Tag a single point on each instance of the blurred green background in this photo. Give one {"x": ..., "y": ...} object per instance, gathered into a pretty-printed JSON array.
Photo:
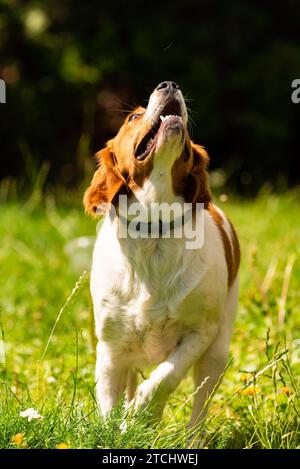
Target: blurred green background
[{"x": 73, "y": 69}]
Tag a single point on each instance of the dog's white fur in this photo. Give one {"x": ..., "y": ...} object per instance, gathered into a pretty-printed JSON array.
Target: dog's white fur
[{"x": 157, "y": 303}]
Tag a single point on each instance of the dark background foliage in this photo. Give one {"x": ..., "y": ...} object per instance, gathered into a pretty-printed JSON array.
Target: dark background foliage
[{"x": 73, "y": 69}]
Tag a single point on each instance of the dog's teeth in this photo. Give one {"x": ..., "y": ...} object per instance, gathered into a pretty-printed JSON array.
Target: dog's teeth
[{"x": 163, "y": 118}]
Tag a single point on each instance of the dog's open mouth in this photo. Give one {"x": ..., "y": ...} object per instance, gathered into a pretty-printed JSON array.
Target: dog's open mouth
[{"x": 171, "y": 114}]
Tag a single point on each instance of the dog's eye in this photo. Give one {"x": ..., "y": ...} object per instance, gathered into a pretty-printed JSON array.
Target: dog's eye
[{"x": 133, "y": 116}]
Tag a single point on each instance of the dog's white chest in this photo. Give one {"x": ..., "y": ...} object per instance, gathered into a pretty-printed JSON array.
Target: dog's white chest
[
  {"x": 138, "y": 306},
  {"x": 146, "y": 299}
]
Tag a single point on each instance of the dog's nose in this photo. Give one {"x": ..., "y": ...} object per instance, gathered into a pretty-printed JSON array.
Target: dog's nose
[{"x": 167, "y": 87}]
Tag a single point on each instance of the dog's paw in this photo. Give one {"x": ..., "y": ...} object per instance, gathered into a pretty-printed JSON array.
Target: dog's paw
[
  {"x": 145, "y": 393},
  {"x": 149, "y": 398},
  {"x": 197, "y": 440}
]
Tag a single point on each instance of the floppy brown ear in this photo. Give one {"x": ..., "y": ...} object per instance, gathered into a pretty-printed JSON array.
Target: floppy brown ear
[
  {"x": 105, "y": 185},
  {"x": 197, "y": 186}
]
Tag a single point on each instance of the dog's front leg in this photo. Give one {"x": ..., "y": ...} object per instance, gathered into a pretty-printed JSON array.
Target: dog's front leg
[
  {"x": 110, "y": 378},
  {"x": 155, "y": 391}
]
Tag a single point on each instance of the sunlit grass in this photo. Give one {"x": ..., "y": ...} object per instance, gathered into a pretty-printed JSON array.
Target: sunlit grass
[{"x": 42, "y": 280}]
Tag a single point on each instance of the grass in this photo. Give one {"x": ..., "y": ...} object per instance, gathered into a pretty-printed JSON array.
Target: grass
[{"x": 42, "y": 264}]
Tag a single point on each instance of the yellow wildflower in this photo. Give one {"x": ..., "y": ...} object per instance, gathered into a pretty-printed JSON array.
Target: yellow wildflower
[
  {"x": 18, "y": 439},
  {"x": 250, "y": 391},
  {"x": 284, "y": 390},
  {"x": 244, "y": 377},
  {"x": 62, "y": 446}
]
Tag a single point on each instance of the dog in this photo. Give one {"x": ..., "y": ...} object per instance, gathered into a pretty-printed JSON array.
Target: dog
[{"x": 156, "y": 301}]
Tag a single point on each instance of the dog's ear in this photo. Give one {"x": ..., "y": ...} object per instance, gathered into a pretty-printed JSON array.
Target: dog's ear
[
  {"x": 105, "y": 185},
  {"x": 197, "y": 188}
]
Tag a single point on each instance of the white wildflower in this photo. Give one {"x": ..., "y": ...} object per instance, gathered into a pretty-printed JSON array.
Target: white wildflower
[
  {"x": 30, "y": 414},
  {"x": 51, "y": 380}
]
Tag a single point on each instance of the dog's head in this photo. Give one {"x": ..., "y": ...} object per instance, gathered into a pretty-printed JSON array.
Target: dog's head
[{"x": 151, "y": 138}]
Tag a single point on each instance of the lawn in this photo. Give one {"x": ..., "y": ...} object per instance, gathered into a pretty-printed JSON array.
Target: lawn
[{"x": 44, "y": 251}]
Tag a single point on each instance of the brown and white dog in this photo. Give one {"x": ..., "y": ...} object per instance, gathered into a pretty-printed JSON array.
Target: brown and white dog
[{"x": 155, "y": 301}]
